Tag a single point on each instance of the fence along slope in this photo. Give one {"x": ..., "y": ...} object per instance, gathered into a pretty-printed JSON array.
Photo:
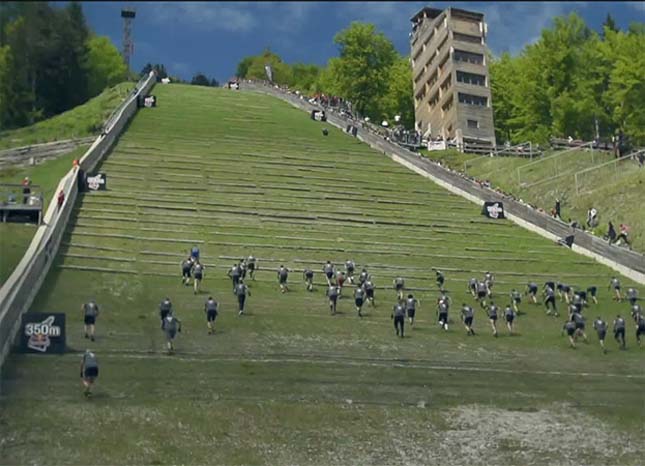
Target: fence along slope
[
  {"x": 629, "y": 263},
  {"x": 20, "y": 289}
]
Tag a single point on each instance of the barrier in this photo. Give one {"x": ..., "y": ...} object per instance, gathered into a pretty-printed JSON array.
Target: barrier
[
  {"x": 628, "y": 263},
  {"x": 20, "y": 289}
]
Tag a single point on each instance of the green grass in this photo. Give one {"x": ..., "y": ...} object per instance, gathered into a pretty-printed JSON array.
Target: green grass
[
  {"x": 15, "y": 237},
  {"x": 616, "y": 191},
  {"x": 82, "y": 121},
  {"x": 288, "y": 383}
]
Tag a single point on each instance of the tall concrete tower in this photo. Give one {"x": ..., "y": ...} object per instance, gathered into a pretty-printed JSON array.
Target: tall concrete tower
[
  {"x": 452, "y": 98},
  {"x": 128, "y": 15}
]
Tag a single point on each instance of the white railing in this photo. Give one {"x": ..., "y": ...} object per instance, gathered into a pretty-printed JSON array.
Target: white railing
[
  {"x": 588, "y": 145},
  {"x": 20, "y": 289}
]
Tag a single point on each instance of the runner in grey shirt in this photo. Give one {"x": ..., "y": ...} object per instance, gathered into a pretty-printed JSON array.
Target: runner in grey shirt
[
  {"x": 492, "y": 317},
  {"x": 632, "y": 296},
  {"x": 411, "y": 308},
  {"x": 619, "y": 331},
  {"x": 614, "y": 284},
  {"x": 399, "y": 286},
  {"x": 332, "y": 294},
  {"x": 359, "y": 297},
  {"x": 171, "y": 326},
  {"x": 235, "y": 273},
  {"x": 283, "y": 275},
  {"x": 90, "y": 313},
  {"x": 467, "y": 315},
  {"x": 398, "y": 314},
  {"x": 509, "y": 316},
  {"x": 211, "y": 308},
  {"x": 165, "y": 308},
  {"x": 369, "y": 288},
  {"x": 89, "y": 371},
  {"x": 328, "y": 270},
  {"x": 198, "y": 275},
  {"x": 308, "y": 276},
  {"x": 600, "y": 326},
  {"x": 241, "y": 291}
]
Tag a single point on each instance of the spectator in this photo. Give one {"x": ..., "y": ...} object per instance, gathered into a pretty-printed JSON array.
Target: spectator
[
  {"x": 624, "y": 231},
  {"x": 611, "y": 233},
  {"x": 557, "y": 208},
  {"x": 26, "y": 189},
  {"x": 592, "y": 218},
  {"x": 60, "y": 199}
]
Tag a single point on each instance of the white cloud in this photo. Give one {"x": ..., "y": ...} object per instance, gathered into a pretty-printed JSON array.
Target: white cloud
[{"x": 231, "y": 17}]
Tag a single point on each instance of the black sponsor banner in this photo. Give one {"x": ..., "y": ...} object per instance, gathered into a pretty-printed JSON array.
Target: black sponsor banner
[
  {"x": 42, "y": 332},
  {"x": 97, "y": 182},
  {"x": 493, "y": 210}
]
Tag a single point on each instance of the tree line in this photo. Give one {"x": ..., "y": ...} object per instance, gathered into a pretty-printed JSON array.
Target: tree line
[
  {"x": 368, "y": 72},
  {"x": 572, "y": 81},
  {"x": 50, "y": 61}
]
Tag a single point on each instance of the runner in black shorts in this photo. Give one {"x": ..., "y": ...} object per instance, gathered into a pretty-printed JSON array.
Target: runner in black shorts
[
  {"x": 186, "y": 269},
  {"x": 363, "y": 277},
  {"x": 531, "y": 291},
  {"x": 89, "y": 371},
  {"x": 579, "y": 320},
  {"x": 369, "y": 287},
  {"x": 328, "y": 270},
  {"x": 592, "y": 290},
  {"x": 211, "y": 310},
  {"x": 492, "y": 317},
  {"x": 600, "y": 326},
  {"x": 349, "y": 269},
  {"x": 442, "y": 313},
  {"x": 399, "y": 286},
  {"x": 440, "y": 279},
  {"x": 632, "y": 295},
  {"x": 549, "y": 298},
  {"x": 332, "y": 294},
  {"x": 516, "y": 300},
  {"x": 619, "y": 331},
  {"x": 468, "y": 315},
  {"x": 308, "y": 276},
  {"x": 359, "y": 297},
  {"x": 615, "y": 285},
  {"x": 241, "y": 291},
  {"x": 640, "y": 328},
  {"x": 570, "y": 327},
  {"x": 472, "y": 287},
  {"x": 411, "y": 308},
  {"x": 509, "y": 316},
  {"x": 165, "y": 308},
  {"x": 283, "y": 275},
  {"x": 398, "y": 314},
  {"x": 482, "y": 293},
  {"x": 251, "y": 266}
]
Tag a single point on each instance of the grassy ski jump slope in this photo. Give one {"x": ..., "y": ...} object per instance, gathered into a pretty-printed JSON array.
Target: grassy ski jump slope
[{"x": 237, "y": 174}]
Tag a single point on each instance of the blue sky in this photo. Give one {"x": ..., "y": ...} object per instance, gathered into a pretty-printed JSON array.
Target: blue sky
[{"x": 212, "y": 37}]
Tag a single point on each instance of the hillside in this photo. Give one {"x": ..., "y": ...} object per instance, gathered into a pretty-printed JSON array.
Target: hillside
[
  {"x": 84, "y": 120},
  {"x": 614, "y": 190},
  {"x": 81, "y": 121},
  {"x": 239, "y": 174}
]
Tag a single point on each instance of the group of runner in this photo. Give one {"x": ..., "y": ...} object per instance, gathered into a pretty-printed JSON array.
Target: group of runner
[{"x": 405, "y": 305}]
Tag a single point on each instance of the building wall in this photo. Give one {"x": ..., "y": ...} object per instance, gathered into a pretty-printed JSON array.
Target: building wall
[{"x": 436, "y": 44}]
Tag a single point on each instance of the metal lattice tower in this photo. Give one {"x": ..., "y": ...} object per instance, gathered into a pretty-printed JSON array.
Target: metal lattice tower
[{"x": 128, "y": 15}]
